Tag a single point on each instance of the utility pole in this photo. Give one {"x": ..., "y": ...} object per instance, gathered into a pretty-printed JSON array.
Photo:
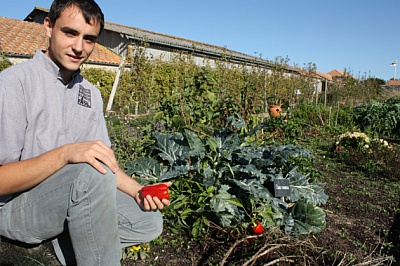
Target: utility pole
[{"x": 394, "y": 64}]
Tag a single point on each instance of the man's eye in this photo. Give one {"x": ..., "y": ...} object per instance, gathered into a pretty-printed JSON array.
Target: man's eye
[{"x": 90, "y": 40}]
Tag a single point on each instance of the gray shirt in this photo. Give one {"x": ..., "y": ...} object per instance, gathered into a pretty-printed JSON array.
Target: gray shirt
[{"x": 38, "y": 112}]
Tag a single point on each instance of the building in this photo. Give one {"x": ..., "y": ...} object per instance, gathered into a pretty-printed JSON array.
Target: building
[
  {"x": 157, "y": 46},
  {"x": 20, "y": 39},
  {"x": 392, "y": 84}
]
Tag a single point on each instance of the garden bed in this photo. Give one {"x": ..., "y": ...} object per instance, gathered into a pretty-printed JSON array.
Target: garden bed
[{"x": 363, "y": 221}]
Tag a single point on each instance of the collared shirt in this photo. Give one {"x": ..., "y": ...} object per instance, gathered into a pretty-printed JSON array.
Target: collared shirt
[{"x": 38, "y": 112}]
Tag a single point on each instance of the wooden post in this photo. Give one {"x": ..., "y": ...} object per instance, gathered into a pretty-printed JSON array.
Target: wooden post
[{"x": 115, "y": 85}]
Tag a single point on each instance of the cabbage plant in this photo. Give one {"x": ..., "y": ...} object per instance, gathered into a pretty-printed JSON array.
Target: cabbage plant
[{"x": 222, "y": 179}]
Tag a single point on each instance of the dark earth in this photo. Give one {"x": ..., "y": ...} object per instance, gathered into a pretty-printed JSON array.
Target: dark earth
[{"x": 363, "y": 222}]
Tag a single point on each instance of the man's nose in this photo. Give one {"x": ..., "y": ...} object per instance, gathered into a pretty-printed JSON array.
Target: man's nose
[{"x": 78, "y": 45}]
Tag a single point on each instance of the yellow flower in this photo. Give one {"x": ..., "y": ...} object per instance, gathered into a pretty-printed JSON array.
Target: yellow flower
[{"x": 134, "y": 248}]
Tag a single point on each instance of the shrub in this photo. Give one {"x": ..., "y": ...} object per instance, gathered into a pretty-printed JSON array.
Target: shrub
[
  {"x": 380, "y": 118},
  {"x": 331, "y": 117},
  {"x": 372, "y": 156},
  {"x": 276, "y": 131},
  {"x": 353, "y": 141},
  {"x": 130, "y": 135}
]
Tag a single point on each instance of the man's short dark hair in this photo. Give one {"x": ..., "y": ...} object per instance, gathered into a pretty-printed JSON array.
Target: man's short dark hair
[{"x": 89, "y": 8}]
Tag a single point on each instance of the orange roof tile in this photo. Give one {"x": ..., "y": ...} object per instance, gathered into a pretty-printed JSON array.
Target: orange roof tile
[
  {"x": 393, "y": 82},
  {"x": 324, "y": 75},
  {"x": 24, "y": 38},
  {"x": 336, "y": 73}
]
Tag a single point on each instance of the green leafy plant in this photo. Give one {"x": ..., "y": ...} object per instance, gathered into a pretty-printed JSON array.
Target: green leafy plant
[
  {"x": 130, "y": 135},
  {"x": 380, "y": 118},
  {"x": 223, "y": 180},
  {"x": 199, "y": 103},
  {"x": 276, "y": 131}
]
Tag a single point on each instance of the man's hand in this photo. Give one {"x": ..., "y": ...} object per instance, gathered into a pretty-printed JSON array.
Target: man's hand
[{"x": 92, "y": 152}]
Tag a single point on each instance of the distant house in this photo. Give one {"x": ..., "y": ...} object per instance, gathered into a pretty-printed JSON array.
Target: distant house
[
  {"x": 392, "y": 84},
  {"x": 338, "y": 74}
]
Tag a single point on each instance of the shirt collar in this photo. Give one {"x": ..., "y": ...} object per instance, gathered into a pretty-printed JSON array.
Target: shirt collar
[{"x": 51, "y": 67}]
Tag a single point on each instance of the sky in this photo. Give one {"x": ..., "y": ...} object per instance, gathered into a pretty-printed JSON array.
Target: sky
[{"x": 359, "y": 36}]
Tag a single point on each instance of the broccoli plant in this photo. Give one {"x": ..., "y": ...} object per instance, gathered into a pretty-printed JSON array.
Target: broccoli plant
[{"x": 224, "y": 180}]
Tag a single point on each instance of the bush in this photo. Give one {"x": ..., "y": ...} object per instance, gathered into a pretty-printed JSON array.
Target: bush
[
  {"x": 380, "y": 118},
  {"x": 331, "y": 117},
  {"x": 131, "y": 135},
  {"x": 371, "y": 156}
]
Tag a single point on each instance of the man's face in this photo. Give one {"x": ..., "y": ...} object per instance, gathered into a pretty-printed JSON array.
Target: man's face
[{"x": 72, "y": 40}]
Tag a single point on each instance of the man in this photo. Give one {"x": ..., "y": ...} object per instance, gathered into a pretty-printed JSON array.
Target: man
[{"x": 59, "y": 178}]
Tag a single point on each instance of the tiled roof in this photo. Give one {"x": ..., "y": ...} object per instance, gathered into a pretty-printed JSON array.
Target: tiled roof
[
  {"x": 324, "y": 75},
  {"x": 21, "y": 38},
  {"x": 393, "y": 82},
  {"x": 336, "y": 73}
]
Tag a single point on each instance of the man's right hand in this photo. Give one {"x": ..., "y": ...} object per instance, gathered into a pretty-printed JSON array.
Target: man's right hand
[{"x": 92, "y": 152}]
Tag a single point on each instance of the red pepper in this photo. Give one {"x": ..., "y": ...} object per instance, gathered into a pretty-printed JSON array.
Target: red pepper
[
  {"x": 258, "y": 228},
  {"x": 160, "y": 191}
]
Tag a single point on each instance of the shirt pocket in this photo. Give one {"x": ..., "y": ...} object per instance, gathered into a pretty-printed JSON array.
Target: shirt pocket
[{"x": 84, "y": 123}]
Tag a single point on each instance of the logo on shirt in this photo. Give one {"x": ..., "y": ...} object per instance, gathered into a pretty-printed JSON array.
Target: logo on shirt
[{"x": 84, "y": 97}]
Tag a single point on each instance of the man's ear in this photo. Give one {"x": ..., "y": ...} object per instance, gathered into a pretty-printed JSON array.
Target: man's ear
[{"x": 48, "y": 27}]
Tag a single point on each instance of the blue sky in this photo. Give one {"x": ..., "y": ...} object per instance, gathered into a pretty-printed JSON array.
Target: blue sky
[{"x": 361, "y": 36}]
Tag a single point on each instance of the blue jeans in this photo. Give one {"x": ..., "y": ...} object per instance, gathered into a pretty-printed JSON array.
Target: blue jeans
[{"x": 87, "y": 218}]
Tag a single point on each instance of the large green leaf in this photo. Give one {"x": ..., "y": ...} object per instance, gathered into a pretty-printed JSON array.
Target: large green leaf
[
  {"x": 302, "y": 188},
  {"x": 208, "y": 176},
  {"x": 308, "y": 217},
  {"x": 237, "y": 122},
  {"x": 196, "y": 145},
  {"x": 254, "y": 188},
  {"x": 171, "y": 146},
  {"x": 248, "y": 171},
  {"x": 174, "y": 172},
  {"x": 147, "y": 168},
  {"x": 225, "y": 206}
]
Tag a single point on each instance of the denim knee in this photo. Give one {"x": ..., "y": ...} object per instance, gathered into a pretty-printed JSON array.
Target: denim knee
[
  {"x": 136, "y": 225},
  {"x": 91, "y": 179},
  {"x": 154, "y": 226},
  {"x": 145, "y": 230}
]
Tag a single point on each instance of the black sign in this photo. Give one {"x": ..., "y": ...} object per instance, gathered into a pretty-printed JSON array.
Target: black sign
[{"x": 282, "y": 187}]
